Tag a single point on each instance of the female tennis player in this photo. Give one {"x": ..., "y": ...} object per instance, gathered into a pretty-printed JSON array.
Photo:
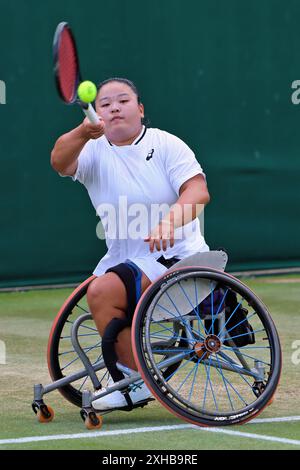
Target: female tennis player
[{"x": 129, "y": 171}]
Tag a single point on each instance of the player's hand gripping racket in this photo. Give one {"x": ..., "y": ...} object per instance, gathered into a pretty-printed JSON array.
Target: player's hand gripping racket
[{"x": 67, "y": 71}]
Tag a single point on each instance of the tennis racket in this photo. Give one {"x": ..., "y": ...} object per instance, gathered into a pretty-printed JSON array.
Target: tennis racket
[{"x": 67, "y": 70}]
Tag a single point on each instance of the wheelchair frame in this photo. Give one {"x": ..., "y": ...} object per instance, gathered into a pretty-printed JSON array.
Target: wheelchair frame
[{"x": 214, "y": 263}]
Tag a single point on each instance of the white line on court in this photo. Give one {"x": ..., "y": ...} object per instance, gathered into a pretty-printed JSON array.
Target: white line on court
[
  {"x": 275, "y": 420},
  {"x": 94, "y": 434},
  {"x": 117, "y": 432}
]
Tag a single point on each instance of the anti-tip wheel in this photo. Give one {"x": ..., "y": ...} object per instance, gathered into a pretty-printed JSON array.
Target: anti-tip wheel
[{"x": 45, "y": 414}]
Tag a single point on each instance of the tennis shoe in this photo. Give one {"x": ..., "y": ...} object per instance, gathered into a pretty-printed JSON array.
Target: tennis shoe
[{"x": 116, "y": 399}]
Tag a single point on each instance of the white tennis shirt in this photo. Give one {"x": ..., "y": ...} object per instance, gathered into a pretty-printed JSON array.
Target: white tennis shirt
[{"x": 128, "y": 186}]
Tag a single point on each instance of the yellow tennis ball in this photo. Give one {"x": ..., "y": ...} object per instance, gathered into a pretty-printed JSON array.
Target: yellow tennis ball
[{"x": 87, "y": 91}]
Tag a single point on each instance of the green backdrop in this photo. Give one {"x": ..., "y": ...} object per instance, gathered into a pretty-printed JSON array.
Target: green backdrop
[{"x": 217, "y": 74}]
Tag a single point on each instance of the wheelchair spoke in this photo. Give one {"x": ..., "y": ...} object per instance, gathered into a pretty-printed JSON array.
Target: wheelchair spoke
[
  {"x": 244, "y": 334},
  {"x": 225, "y": 384},
  {"x": 233, "y": 367},
  {"x": 247, "y": 355},
  {"x": 79, "y": 335},
  {"x": 208, "y": 381},
  {"x": 186, "y": 362},
  {"x": 242, "y": 321},
  {"x": 89, "y": 328},
  {"x": 185, "y": 323},
  {"x": 238, "y": 370},
  {"x": 229, "y": 359},
  {"x": 90, "y": 348},
  {"x": 218, "y": 310},
  {"x": 212, "y": 310},
  {"x": 174, "y": 350},
  {"x": 165, "y": 328},
  {"x": 197, "y": 311},
  {"x": 247, "y": 347},
  {"x": 231, "y": 315},
  {"x": 213, "y": 394},
  {"x": 230, "y": 384},
  {"x": 72, "y": 351},
  {"x": 186, "y": 378},
  {"x": 87, "y": 349},
  {"x": 84, "y": 326},
  {"x": 217, "y": 313},
  {"x": 193, "y": 308},
  {"x": 83, "y": 383},
  {"x": 83, "y": 309},
  {"x": 165, "y": 337},
  {"x": 70, "y": 363},
  {"x": 196, "y": 369},
  {"x": 87, "y": 377}
]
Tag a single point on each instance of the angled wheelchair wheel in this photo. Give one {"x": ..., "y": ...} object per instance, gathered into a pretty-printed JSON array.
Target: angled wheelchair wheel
[
  {"x": 225, "y": 365},
  {"x": 63, "y": 360}
]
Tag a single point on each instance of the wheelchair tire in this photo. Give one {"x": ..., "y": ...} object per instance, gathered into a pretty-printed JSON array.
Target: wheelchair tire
[{"x": 212, "y": 382}]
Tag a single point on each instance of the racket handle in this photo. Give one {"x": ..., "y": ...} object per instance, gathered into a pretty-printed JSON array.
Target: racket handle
[{"x": 90, "y": 113}]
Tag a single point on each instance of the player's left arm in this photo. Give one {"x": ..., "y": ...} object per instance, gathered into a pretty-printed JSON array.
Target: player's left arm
[{"x": 193, "y": 196}]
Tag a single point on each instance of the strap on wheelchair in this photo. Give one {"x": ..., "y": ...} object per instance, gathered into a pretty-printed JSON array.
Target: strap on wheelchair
[
  {"x": 131, "y": 276},
  {"x": 109, "y": 353}
]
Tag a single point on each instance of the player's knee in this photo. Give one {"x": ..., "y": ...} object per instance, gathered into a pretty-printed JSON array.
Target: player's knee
[
  {"x": 96, "y": 293},
  {"x": 105, "y": 292}
]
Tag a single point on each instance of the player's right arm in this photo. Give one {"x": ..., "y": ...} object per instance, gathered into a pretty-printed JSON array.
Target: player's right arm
[{"x": 64, "y": 156}]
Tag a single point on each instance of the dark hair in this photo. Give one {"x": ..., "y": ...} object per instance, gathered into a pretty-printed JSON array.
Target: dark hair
[{"x": 121, "y": 80}]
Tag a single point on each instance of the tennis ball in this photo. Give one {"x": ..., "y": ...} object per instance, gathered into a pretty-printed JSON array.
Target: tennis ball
[{"x": 87, "y": 91}]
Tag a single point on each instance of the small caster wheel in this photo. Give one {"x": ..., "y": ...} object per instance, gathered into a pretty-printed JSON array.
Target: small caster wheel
[
  {"x": 91, "y": 424},
  {"x": 45, "y": 414},
  {"x": 91, "y": 419}
]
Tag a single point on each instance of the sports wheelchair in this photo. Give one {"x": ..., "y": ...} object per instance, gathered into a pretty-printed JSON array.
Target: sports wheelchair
[{"x": 204, "y": 344}]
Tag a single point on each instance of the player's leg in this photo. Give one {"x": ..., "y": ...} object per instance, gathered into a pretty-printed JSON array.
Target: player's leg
[{"x": 107, "y": 299}]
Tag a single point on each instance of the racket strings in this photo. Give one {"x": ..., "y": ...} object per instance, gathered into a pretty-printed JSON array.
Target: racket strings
[{"x": 68, "y": 67}]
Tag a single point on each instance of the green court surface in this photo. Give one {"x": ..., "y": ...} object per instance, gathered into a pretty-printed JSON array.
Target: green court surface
[{"x": 25, "y": 322}]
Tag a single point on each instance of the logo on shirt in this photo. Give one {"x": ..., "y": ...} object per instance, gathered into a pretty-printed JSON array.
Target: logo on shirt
[{"x": 150, "y": 155}]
